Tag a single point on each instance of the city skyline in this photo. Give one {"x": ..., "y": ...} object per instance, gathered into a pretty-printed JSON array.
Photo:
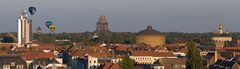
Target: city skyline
[{"x": 125, "y": 16}]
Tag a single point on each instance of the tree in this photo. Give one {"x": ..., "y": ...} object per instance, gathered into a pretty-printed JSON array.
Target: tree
[
  {"x": 127, "y": 63},
  {"x": 194, "y": 60}
]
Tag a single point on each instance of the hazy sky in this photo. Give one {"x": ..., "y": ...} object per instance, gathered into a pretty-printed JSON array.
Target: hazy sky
[{"x": 125, "y": 15}]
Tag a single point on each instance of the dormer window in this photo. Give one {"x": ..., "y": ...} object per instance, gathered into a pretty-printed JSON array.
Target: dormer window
[
  {"x": 19, "y": 66},
  {"x": 6, "y": 66}
]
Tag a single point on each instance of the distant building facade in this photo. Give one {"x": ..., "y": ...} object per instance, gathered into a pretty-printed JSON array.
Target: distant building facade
[
  {"x": 151, "y": 37},
  {"x": 174, "y": 63},
  {"x": 45, "y": 63},
  {"x": 24, "y": 29},
  {"x": 12, "y": 62},
  {"x": 147, "y": 57},
  {"x": 102, "y": 24}
]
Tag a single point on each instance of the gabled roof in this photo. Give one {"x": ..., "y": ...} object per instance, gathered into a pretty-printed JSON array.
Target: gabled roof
[
  {"x": 122, "y": 48},
  {"x": 154, "y": 54},
  {"x": 22, "y": 49},
  {"x": 141, "y": 53},
  {"x": 44, "y": 61},
  {"x": 92, "y": 51},
  {"x": 39, "y": 54},
  {"x": 58, "y": 66},
  {"x": 111, "y": 66},
  {"x": 168, "y": 62},
  {"x": 163, "y": 54},
  {"x": 7, "y": 59}
]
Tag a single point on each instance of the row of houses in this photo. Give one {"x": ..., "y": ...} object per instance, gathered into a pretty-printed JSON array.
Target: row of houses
[{"x": 94, "y": 57}]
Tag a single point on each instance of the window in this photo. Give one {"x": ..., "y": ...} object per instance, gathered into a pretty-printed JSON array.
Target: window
[
  {"x": 12, "y": 63},
  {"x": 94, "y": 66},
  {"x": 183, "y": 66},
  {"x": 6, "y": 66},
  {"x": 95, "y": 61},
  {"x": 19, "y": 66}
]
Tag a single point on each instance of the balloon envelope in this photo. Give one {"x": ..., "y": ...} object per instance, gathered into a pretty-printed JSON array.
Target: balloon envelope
[
  {"x": 49, "y": 23},
  {"x": 32, "y": 10},
  {"x": 52, "y": 28}
]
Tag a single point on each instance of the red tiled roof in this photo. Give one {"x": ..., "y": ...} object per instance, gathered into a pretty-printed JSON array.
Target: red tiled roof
[
  {"x": 183, "y": 50},
  {"x": 163, "y": 54},
  {"x": 154, "y": 54},
  {"x": 160, "y": 48},
  {"x": 122, "y": 48},
  {"x": 169, "y": 62},
  {"x": 21, "y": 49},
  {"x": 7, "y": 45},
  {"x": 93, "y": 51},
  {"x": 111, "y": 66},
  {"x": 2, "y": 52},
  {"x": 142, "y": 53},
  {"x": 32, "y": 55}
]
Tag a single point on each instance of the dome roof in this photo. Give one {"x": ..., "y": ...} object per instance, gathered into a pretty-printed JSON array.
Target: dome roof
[{"x": 149, "y": 31}]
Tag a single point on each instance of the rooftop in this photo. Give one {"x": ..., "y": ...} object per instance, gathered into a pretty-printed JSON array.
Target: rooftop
[{"x": 149, "y": 31}]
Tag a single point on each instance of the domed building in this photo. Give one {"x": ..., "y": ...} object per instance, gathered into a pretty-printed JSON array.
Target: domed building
[{"x": 151, "y": 37}]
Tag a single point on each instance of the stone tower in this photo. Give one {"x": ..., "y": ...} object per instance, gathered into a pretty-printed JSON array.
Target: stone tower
[{"x": 102, "y": 24}]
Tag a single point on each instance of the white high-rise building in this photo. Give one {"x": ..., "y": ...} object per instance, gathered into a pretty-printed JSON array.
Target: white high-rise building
[{"x": 24, "y": 30}]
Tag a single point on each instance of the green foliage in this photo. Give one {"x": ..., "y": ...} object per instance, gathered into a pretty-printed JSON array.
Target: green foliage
[
  {"x": 65, "y": 43},
  {"x": 105, "y": 37},
  {"x": 201, "y": 38},
  {"x": 129, "y": 38},
  {"x": 127, "y": 63},
  {"x": 116, "y": 38},
  {"x": 194, "y": 60},
  {"x": 92, "y": 43},
  {"x": 48, "y": 38}
]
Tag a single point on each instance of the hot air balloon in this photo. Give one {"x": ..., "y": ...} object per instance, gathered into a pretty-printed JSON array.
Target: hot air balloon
[
  {"x": 32, "y": 10},
  {"x": 49, "y": 23},
  {"x": 52, "y": 28}
]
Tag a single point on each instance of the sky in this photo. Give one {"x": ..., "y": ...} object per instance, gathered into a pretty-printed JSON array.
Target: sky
[{"x": 125, "y": 15}]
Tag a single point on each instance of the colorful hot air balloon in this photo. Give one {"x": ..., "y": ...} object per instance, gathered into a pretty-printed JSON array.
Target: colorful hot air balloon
[
  {"x": 52, "y": 28},
  {"x": 32, "y": 10},
  {"x": 49, "y": 23}
]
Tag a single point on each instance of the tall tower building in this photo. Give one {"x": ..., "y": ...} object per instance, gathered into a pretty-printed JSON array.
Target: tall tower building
[
  {"x": 220, "y": 27},
  {"x": 102, "y": 24},
  {"x": 24, "y": 30}
]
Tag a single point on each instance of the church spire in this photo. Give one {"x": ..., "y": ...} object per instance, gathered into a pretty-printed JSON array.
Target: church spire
[{"x": 220, "y": 27}]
